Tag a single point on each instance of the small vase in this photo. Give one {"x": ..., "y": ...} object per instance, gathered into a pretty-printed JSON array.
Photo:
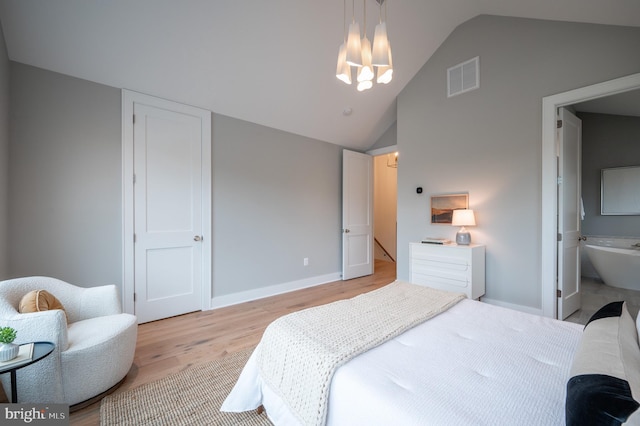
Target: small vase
[{"x": 8, "y": 351}]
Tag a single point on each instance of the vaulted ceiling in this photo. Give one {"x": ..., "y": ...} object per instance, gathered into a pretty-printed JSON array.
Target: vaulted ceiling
[{"x": 268, "y": 62}]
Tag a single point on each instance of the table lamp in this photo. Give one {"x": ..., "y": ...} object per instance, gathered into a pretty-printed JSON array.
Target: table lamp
[{"x": 463, "y": 218}]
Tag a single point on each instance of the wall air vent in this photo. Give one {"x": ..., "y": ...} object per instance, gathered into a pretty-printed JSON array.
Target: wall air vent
[{"x": 463, "y": 77}]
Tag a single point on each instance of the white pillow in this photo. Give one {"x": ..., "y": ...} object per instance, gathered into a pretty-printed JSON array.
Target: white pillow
[{"x": 605, "y": 374}]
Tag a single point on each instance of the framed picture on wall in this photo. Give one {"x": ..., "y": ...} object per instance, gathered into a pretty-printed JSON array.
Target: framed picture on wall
[{"x": 442, "y": 207}]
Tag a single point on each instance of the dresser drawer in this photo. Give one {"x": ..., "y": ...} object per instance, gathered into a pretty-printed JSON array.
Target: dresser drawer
[
  {"x": 421, "y": 262},
  {"x": 442, "y": 281},
  {"x": 448, "y": 267}
]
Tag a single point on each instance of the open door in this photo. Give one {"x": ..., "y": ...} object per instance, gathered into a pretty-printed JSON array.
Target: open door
[
  {"x": 357, "y": 215},
  {"x": 569, "y": 212}
]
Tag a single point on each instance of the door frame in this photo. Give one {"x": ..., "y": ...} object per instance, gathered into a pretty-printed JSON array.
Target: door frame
[
  {"x": 381, "y": 151},
  {"x": 129, "y": 98},
  {"x": 549, "y": 205}
]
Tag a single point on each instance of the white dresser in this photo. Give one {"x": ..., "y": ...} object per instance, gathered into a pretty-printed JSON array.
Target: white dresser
[{"x": 448, "y": 267}]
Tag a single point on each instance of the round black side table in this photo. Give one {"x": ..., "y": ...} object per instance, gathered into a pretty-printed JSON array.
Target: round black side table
[{"x": 40, "y": 350}]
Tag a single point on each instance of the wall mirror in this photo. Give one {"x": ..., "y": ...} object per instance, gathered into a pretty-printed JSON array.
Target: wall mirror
[{"x": 620, "y": 191}]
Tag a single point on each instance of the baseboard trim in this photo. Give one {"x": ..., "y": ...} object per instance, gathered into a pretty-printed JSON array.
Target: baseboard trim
[
  {"x": 521, "y": 308},
  {"x": 260, "y": 293}
]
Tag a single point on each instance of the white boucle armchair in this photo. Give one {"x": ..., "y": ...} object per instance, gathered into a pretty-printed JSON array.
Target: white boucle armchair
[{"x": 95, "y": 342}]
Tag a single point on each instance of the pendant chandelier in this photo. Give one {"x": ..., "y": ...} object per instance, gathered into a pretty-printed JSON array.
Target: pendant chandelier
[{"x": 357, "y": 52}]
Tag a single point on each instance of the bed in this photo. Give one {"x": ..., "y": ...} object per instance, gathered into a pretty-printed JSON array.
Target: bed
[{"x": 471, "y": 364}]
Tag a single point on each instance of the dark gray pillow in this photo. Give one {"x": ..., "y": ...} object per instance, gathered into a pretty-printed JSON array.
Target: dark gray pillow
[{"x": 604, "y": 388}]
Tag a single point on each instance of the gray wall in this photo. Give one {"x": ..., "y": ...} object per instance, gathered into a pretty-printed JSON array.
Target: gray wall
[
  {"x": 607, "y": 141},
  {"x": 276, "y": 200},
  {"x": 65, "y": 173},
  {"x": 388, "y": 138},
  {"x": 4, "y": 159},
  {"x": 276, "y": 196},
  {"x": 488, "y": 142}
]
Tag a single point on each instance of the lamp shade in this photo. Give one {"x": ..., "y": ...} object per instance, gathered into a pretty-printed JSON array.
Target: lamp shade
[
  {"x": 380, "y": 54},
  {"x": 364, "y": 85},
  {"x": 463, "y": 218},
  {"x": 354, "y": 46},
  {"x": 385, "y": 74},
  {"x": 366, "y": 71},
  {"x": 343, "y": 70}
]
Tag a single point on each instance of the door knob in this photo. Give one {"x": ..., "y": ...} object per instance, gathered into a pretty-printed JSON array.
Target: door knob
[
  {"x": 582, "y": 238},
  {"x": 197, "y": 238},
  {"x": 346, "y": 231}
]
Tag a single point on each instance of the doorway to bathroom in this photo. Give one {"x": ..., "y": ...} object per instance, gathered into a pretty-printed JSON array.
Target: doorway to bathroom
[
  {"x": 613, "y": 100},
  {"x": 611, "y": 129}
]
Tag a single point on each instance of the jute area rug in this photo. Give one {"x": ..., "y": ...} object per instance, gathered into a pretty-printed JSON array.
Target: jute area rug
[{"x": 191, "y": 397}]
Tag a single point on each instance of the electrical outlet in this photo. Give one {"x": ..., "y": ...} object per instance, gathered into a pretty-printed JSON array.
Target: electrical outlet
[{"x": 305, "y": 261}]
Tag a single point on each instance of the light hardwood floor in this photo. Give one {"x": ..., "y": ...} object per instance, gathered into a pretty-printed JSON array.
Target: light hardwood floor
[{"x": 174, "y": 344}]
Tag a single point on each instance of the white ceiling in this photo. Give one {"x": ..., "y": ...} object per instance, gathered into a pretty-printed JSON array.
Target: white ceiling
[
  {"x": 268, "y": 62},
  {"x": 626, "y": 103}
]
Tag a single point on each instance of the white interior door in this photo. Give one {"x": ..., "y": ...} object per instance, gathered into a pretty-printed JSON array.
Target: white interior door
[
  {"x": 171, "y": 209},
  {"x": 357, "y": 215},
  {"x": 569, "y": 209}
]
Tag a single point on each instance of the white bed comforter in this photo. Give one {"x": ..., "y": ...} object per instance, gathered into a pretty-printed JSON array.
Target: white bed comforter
[
  {"x": 299, "y": 352},
  {"x": 475, "y": 364}
]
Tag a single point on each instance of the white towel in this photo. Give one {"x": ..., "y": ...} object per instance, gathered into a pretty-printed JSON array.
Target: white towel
[{"x": 581, "y": 209}]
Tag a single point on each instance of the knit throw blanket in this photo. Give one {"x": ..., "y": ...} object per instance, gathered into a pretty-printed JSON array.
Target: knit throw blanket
[{"x": 299, "y": 352}]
